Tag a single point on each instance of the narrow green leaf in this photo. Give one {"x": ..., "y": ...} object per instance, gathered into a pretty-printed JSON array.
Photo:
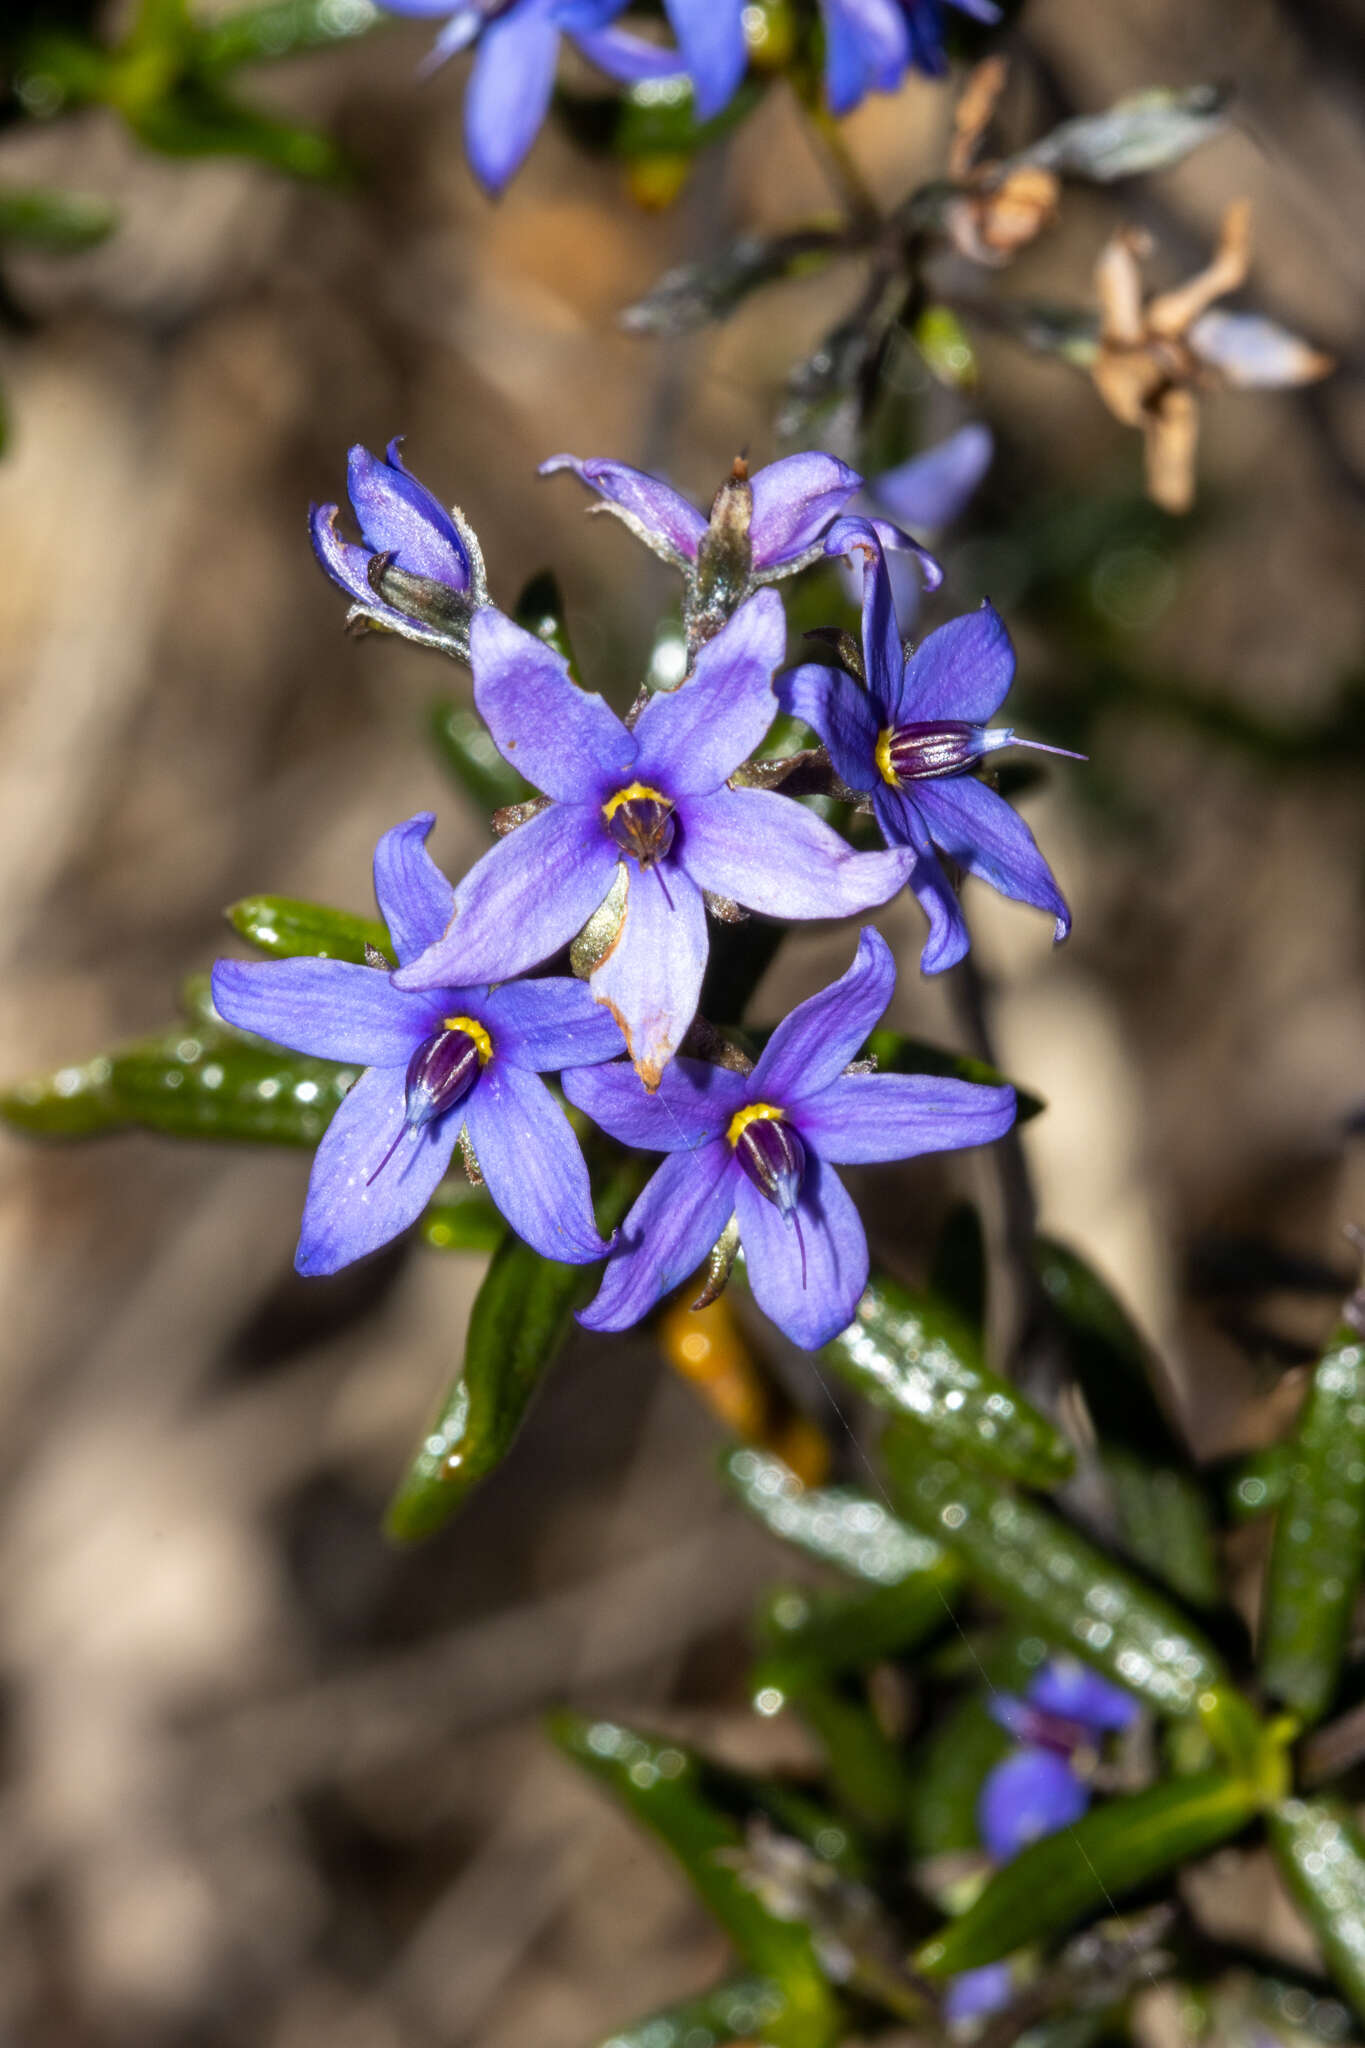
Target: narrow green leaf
[
  {"x": 466, "y": 749},
  {"x": 1321, "y": 1853},
  {"x": 660, "y": 1784},
  {"x": 196, "y": 1082},
  {"x": 281, "y": 28},
  {"x": 284, "y": 927},
  {"x": 520, "y": 1319},
  {"x": 461, "y": 1218},
  {"x": 1316, "y": 1555},
  {"x": 896, "y": 1054},
  {"x": 836, "y": 1524},
  {"x": 1049, "y": 1577},
  {"x": 916, "y": 1356},
  {"x": 1165, "y": 1514},
  {"x": 741, "y": 2009},
  {"x": 59, "y": 222},
  {"x": 866, "y": 1770},
  {"x": 1146, "y": 132},
  {"x": 1091, "y": 1867},
  {"x": 196, "y": 119},
  {"x": 946, "y": 1772},
  {"x": 1258, "y": 1483},
  {"x": 802, "y": 1633}
]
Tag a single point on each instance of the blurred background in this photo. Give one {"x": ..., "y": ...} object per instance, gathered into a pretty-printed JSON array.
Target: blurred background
[{"x": 262, "y": 1779}]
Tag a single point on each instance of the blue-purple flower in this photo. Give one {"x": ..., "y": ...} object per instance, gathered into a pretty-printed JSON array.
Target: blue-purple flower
[
  {"x": 761, "y": 528},
  {"x": 762, "y": 1147},
  {"x": 977, "y": 1994},
  {"x": 419, "y": 570},
  {"x": 1066, "y": 1709},
  {"x": 641, "y": 822},
  {"x": 925, "y": 493},
  {"x": 446, "y": 1060},
  {"x": 516, "y": 52},
  {"x": 712, "y": 46},
  {"x": 871, "y": 44},
  {"x": 910, "y": 740}
]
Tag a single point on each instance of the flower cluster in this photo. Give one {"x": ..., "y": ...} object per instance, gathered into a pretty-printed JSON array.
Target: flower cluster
[{"x": 641, "y": 825}]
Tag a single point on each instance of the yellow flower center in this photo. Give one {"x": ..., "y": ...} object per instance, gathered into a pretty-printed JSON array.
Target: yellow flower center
[
  {"x": 754, "y": 1112},
  {"x": 634, "y": 792},
  {"x": 474, "y": 1031},
  {"x": 883, "y": 757}
]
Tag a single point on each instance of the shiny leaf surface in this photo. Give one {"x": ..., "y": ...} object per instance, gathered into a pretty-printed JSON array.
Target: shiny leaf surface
[
  {"x": 741, "y": 2009},
  {"x": 1321, "y": 1854},
  {"x": 836, "y": 1524},
  {"x": 284, "y": 927}
]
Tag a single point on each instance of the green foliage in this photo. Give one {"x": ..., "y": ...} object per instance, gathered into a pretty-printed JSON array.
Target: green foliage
[
  {"x": 836, "y": 1524},
  {"x": 1321, "y": 1855},
  {"x": 1316, "y": 1557},
  {"x": 740, "y": 2009},
  {"x": 284, "y": 927},
  {"x": 61, "y": 223}
]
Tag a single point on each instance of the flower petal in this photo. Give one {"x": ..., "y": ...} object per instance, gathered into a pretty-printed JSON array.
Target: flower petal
[
  {"x": 814, "y": 1304},
  {"x": 509, "y": 92},
  {"x": 932, "y": 488},
  {"x": 977, "y": 1994},
  {"x": 330, "y": 1009},
  {"x": 545, "y": 1026},
  {"x": 1253, "y": 353},
  {"x": 1068, "y": 1688},
  {"x": 348, "y": 1213},
  {"x": 691, "y": 738},
  {"x": 530, "y": 1159},
  {"x": 524, "y": 900},
  {"x": 962, "y": 670},
  {"x": 682, "y": 1211},
  {"x": 976, "y": 828},
  {"x": 415, "y": 900},
  {"x": 711, "y": 38},
  {"x": 815, "y": 1042},
  {"x": 867, "y": 45},
  {"x": 692, "y": 1104},
  {"x": 654, "y": 505},
  {"x": 794, "y": 501},
  {"x": 1031, "y": 1794},
  {"x": 400, "y": 516},
  {"x": 772, "y": 855},
  {"x": 622, "y": 55},
  {"x": 568, "y": 742},
  {"x": 833, "y": 705},
  {"x": 346, "y": 564},
  {"x": 651, "y": 979},
  {"x": 860, "y": 1118},
  {"x": 948, "y": 939},
  {"x": 882, "y": 653}
]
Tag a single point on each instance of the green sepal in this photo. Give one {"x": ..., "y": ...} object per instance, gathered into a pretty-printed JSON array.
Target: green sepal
[
  {"x": 461, "y": 1218},
  {"x": 62, "y": 223},
  {"x": 466, "y": 750},
  {"x": 1049, "y": 1577},
  {"x": 740, "y": 2009},
  {"x": 835, "y": 1524},
  {"x": 1091, "y": 1866},
  {"x": 897, "y": 1054},
  {"x": 521, "y": 1316},
  {"x": 284, "y": 927},
  {"x": 661, "y": 1784},
  {"x": 199, "y": 1081},
  {"x": 1320, "y": 1851},
  {"x": 1166, "y": 1517},
  {"x": 916, "y": 1356},
  {"x": 1316, "y": 1553},
  {"x": 803, "y": 1634}
]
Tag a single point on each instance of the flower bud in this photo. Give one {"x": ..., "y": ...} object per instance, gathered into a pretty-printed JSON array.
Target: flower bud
[{"x": 724, "y": 558}]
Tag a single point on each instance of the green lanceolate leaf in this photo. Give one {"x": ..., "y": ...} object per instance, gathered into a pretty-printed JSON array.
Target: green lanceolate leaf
[
  {"x": 1321, "y": 1854},
  {"x": 1145, "y": 132},
  {"x": 1258, "y": 1483},
  {"x": 1316, "y": 1555},
  {"x": 284, "y": 928},
  {"x": 461, "y": 1218},
  {"x": 946, "y": 1772},
  {"x": 517, "y": 1327},
  {"x": 916, "y": 1356},
  {"x": 738, "y": 2010},
  {"x": 466, "y": 748},
  {"x": 896, "y": 1054},
  {"x": 1049, "y": 1577},
  {"x": 60, "y": 222},
  {"x": 866, "y": 1770},
  {"x": 1165, "y": 1514},
  {"x": 281, "y": 28},
  {"x": 804, "y": 1634},
  {"x": 661, "y": 1784},
  {"x": 836, "y": 1524},
  {"x": 196, "y": 1082},
  {"x": 1091, "y": 1867}
]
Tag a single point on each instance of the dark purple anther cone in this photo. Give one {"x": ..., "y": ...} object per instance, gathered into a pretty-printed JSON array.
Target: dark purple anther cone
[
  {"x": 774, "y": 1159},
  {"x": 643, "y": 826},
  {"x": 440, "y": 1073},
  {"x": 917, "y": 752}
]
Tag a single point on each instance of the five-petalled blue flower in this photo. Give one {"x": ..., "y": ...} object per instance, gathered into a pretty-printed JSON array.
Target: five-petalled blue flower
[
  {"x": 447, "y": 1059},
  {"x": 911, "y": 739},
  {"x": 641, "y": 823},
  {"x": 761, "y": 1147},
  {"x": 1037, "y": 1790}
]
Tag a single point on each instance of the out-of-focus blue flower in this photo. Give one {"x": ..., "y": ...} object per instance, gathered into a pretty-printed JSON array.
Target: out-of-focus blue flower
[
  {"x": 925, "y": 494},
  {"x": 910, "y": 740},
  {"x": 761, "y": 1147},
  {"x": 1031, "y": 1794},
  {"x": 447, "y": 1059},
  {"x": 711, "y": 44},
  {"x": 419, "y": 571},
  {"x": 871, "y": 44},
  {"x": 1067, "y": 1707},
  {"x": 517, "y": 49},
  {"x": 1071, "y": 1691},
  {"x": 977, "y": 1994},
  {"x": 641, "y": 822}
]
